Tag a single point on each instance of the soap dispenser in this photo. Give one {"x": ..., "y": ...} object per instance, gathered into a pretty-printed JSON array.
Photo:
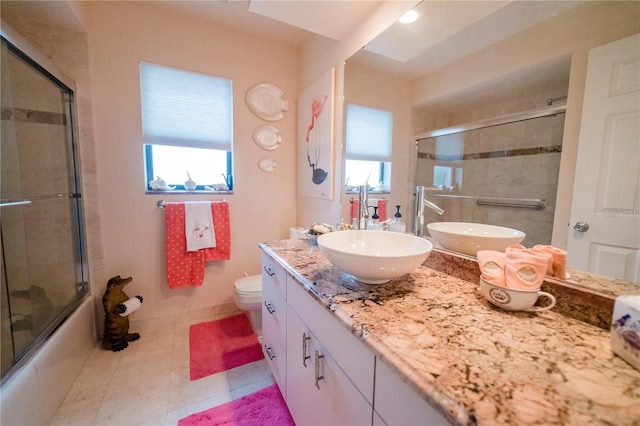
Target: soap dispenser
[
  {"x": 375, "y": 220},
  {"x": 398, "y": 225}
]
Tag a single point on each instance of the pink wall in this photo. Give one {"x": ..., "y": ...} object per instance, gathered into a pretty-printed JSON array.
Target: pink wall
[{"x": 263, "y": 205}]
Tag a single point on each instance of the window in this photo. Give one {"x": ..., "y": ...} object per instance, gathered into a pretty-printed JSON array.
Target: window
[
  {"x": 369, "y": 137},
  {"x": 187, "y": 127}
]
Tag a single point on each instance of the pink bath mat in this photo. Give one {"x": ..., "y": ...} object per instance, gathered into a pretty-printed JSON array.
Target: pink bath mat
[
  {"x": 265, "y": 407},
  {"x": 220, "y": 345}
]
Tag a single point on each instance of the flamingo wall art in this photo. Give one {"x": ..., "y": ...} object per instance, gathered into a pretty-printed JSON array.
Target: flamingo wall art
[{"x": 315, "y": 146}]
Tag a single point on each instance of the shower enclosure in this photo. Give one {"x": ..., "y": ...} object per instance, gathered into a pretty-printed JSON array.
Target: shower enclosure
[
  {"x": 42, "y": 248},
  {"x": 499, "y": 172}
]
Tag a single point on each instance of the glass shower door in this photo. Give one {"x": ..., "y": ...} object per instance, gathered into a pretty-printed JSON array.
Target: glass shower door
[{"x": 43, "y": 271}]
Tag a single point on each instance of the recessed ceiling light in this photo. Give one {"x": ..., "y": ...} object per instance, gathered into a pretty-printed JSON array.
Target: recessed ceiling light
[{"x": 409, "y": 16}]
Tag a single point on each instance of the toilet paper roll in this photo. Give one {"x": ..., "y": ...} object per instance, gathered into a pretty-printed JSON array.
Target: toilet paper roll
[
  {"x": 297, "y": 233},
  {"x": 131, "y": 305}
]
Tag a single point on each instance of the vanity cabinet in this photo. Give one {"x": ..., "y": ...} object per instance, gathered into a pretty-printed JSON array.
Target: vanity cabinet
[
  {"x": 396, "y": 403},
  {"x": 274, "y": 319},
  {"x": 325, "y": 373},
  {"x": 329, "y": 371},
  {"x": 319, "y": 392}
]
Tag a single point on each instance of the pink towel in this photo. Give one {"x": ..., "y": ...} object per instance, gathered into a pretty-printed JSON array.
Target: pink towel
[
  {"x": 492, "y": 266},
  {"x": 557, "y": 262},
  {"x": 525, "y": 270},
  {"x": 187, "y": 268},
  {"x": 354, "y": 210},
  {"x": 382, "y": 209}
]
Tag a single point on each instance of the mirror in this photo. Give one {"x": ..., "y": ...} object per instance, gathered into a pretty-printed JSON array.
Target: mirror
[{"x": 473, "y": 61}]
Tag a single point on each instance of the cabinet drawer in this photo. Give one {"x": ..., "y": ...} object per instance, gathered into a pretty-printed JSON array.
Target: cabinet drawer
[
  {"x": 398, "y": 404},
  {"x": 275, "y": 355},
  {"x": 274, "y": 310},
  {"x": 273, "y": 273},
  {"x": 345, "y": 348}
]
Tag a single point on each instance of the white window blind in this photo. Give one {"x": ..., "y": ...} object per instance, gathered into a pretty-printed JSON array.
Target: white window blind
[
  {"x": 369, "y": 133},
  {"x": 184, "y": 108}
]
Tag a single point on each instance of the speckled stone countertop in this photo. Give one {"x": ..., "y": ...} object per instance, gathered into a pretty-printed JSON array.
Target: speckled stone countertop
[{"x": 474, "y": 363}]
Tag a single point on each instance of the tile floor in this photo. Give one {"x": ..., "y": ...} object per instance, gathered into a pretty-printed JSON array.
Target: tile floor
[{"x": 148, "y": 383}]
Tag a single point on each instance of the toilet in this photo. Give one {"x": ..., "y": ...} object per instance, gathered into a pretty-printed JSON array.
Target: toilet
[{"x": 247, "y": 295}]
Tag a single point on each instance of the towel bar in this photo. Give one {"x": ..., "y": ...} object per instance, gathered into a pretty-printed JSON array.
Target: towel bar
[
  {"x": 161, "y": 203},
  {"x": 522, "y": 204}
]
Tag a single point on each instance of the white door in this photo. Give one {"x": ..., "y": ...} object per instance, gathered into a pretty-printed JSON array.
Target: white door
[{"x": 605, "y": 224}]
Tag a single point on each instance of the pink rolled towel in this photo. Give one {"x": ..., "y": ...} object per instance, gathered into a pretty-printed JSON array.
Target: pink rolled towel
[
  {"x": 558, "y": 264},
  {"x": 492, "y": 264},
  {"x": 525, "y": 270}
]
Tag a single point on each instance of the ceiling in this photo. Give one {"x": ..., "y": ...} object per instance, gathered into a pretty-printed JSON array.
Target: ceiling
[
  {"x": 446, "y": 30},
  {"x": 285, "y": 21},
  {"x": 450, "y": 30}
]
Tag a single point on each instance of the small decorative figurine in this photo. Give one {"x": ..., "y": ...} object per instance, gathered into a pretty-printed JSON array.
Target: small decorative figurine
[{"x": 117, "y": 307}]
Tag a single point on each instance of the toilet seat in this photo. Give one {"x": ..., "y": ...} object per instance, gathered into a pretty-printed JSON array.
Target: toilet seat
[{"x": 249, "y": 289}]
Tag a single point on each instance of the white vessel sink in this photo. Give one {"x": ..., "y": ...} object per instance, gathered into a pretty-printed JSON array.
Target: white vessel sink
[
  {"x": 374, "y": 257},
  {"x": 469, "y": 238}
]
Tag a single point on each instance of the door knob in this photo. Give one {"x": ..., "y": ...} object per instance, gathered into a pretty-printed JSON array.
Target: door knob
[{"x": 581, "y": 226}]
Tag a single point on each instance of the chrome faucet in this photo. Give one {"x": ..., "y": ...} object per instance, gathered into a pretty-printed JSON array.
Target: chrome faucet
[
  {"x": 363, "y": 207},
  {"x": 420, "y": 204}
]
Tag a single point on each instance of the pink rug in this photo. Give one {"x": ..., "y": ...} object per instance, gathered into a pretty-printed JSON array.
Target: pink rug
[
  {"x": 263, "y": 408},
  {"x": 221, "y": 345}
]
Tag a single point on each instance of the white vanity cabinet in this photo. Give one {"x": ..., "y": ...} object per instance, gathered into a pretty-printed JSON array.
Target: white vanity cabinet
[
  {"x": 324, "y": 372},
  {"x": 397, "y": 404},
  {"x": 319, "y": 392},
  {"x": 274, "y": 319}
]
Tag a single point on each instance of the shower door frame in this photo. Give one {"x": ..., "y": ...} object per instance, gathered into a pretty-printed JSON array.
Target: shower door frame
[{"x": 41, "y": 63}]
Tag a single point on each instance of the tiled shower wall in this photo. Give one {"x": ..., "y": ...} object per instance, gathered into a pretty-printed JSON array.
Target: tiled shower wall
[{"x": 519, "y": 160}]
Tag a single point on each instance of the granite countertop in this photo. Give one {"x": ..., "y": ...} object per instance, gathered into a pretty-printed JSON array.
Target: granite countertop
[{"x": 475, "y": 363}]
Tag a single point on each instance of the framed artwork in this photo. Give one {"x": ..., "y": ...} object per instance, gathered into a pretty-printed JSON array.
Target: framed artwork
[{"x": 316, "y": 171}]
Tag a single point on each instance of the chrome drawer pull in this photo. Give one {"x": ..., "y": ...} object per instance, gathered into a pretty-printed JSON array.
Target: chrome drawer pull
[
  {"x": 318, "y": 376},
  {"x": 269, "y": 352},
  {"x": 305, "y": 357},
  {"x": 269, "y": 271},
  {"x": 269, "y": 307}
]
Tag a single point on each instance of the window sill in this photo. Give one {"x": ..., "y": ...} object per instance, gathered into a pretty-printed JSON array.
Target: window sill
[{"x": 183, "y": 192}]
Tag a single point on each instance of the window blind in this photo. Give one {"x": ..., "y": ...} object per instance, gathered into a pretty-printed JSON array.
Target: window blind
[
  {"x": 184, "y": 108},
  {"x": 369, "y": 133}
]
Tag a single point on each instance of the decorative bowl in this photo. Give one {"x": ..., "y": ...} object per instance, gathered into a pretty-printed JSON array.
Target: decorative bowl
[
  {"x": 374, "y": 257},
  {"x": 469, "y": 238}
]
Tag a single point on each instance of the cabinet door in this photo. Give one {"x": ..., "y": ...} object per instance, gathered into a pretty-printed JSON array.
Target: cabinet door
[
  {"x": 397, "y": 404},
  {"x": 273, "y": 346},
  {"x": 318, "y": 391},
  {"x": 350, "y": 353}
]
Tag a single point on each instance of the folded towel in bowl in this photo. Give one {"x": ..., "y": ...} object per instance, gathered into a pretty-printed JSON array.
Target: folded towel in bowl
[
  {"x": 558, "y": 260},
  {"x": 524, "y": 269},
  {"x": 492, "y": 264}
]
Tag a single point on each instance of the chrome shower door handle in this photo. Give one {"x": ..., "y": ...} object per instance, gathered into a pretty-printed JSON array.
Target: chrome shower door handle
[{"x": 581, "y": 226}]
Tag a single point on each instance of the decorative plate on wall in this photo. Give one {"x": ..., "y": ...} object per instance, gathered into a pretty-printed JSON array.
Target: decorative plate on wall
[
  {"x": 267, "y": 164},
  {"x": 265, "y": 101},
  {"x": 267, "y": 137}
]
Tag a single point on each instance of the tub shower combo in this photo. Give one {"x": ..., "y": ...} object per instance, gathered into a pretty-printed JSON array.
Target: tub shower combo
[
  {"x": 502, "y": 171},
  {"x": 43, "y": 261}
]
